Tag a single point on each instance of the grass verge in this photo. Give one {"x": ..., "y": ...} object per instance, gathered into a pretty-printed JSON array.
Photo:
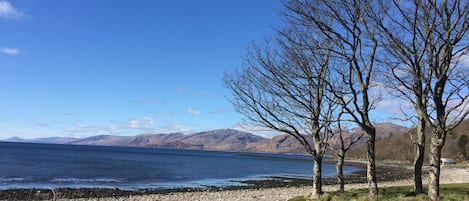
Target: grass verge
[{"x": 450, "y": 192}]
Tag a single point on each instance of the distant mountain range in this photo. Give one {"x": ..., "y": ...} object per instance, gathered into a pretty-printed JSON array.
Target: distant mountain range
[
  {"x": 221, "y": 139},
  {"x": 49, "y": 140}
]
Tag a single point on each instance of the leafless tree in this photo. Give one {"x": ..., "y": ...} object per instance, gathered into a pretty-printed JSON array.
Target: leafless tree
[
  {"x": 282, "y": 86},
  {"x": 342, "y": 141},
  {"x": 425, "y": 41},
  {"x": 406, "y": 73},
  {"x": 345, "y": 23}
]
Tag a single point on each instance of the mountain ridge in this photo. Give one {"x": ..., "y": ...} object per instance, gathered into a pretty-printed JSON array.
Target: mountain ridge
[{"x": 219, "y": 139}]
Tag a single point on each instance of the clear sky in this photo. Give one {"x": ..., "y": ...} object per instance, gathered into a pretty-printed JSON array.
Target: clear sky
[
  {"x": 124, "y": 67},
  {"x": 84, "y": 67}
]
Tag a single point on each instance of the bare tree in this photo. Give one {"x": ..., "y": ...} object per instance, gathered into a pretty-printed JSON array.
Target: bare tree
[
  {"x": 425, "y": 41},
  {"x": 345, "y": 23},
  {"x": 406, "y": 73},
  {"x": 282, "y": 86},
  {"x": 344, "y": 140}
]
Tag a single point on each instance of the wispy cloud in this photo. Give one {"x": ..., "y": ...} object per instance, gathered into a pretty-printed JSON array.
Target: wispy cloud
[
  {"x": 465, "y": 61},
  {"x": 153, "y": 112},
  {"x": 221, "y": 111},
  {"x": 10, "y": 51},
  {"x": 193, "y": 111},
  {"x": 88, "y": 129},
  {"x": 44, "y": 124},
  {"x": 68, "y": 114},
  {"x": 194, "y": 92},
  {"x": 256, "y": 129},
  {"x": 173, "y": 128},
  {"x": 134, "y": 126},
  {"x": 141, "y": 123},
  {"x": 150, "y": 101},
  {"x": 7, "y": 11},
  {"x": 394, "y": 105}
]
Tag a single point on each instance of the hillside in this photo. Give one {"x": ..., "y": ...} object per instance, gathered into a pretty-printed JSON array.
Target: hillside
[
  {"x": 49, "y": 140},
  {"x": 393, "y": 142},
  {"x": 223, "y": 140},
  {"x": 227, "y": 140},
  {"x": 398, "y": 146},
  {"x": 278, "y": 144},
  {"x": 457, "y": 142}
]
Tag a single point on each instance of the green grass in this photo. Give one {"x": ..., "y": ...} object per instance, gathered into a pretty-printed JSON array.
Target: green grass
[{"x": 451, "y": 192}]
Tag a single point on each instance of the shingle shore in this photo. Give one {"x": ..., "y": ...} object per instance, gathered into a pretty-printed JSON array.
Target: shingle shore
[{"x": 448, "y": 175}]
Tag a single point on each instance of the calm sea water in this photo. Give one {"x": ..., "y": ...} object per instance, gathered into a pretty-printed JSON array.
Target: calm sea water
[{"x": 24, "y": 165}]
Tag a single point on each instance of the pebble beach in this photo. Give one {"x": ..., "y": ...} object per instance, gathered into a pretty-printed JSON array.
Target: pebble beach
[
  {"x": 448, "y": 175},
  {"x": 397, "y": 175}
]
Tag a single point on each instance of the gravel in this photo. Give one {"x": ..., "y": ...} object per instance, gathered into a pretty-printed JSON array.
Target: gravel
[{"x": 448, "y": 175}]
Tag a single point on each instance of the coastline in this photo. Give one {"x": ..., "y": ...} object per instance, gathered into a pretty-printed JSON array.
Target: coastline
[{"x": 386, "y": 174}]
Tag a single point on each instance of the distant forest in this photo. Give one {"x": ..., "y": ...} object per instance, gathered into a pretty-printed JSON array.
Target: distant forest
[{"x": 395, "y": 147}]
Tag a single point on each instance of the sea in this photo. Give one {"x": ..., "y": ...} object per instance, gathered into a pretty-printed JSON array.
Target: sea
[{"x": 28, "y": 165}]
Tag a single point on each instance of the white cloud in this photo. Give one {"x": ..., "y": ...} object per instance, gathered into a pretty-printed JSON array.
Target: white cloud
[
  {"x": 256, "y": 129},
  {"x": 394, "y": 105},
  {"x": 465, "y": 61},
  {"x": 10, "y": 51},
  {"x": 173, "y": 128},
  {"x": 457, "y": 109},
  {"x": 141, "y": 123},
  {"x": 135, "y": 126},
  {"x": 193, "y": 111},
  {"x": 7, "y": 11},
  {"x": 88, "y": 129}
]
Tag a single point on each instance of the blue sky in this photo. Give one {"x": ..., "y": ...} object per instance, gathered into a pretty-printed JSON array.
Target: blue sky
[{"x": 85, "y": 67}]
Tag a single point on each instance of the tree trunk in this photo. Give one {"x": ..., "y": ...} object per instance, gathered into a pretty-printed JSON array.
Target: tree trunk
[
  {"x": 340, "y": 173},
  {"x": 371, "y": 165},
  {"x": 418, "y": 163},
  {"x": 419, "y": 157},
  {"x": 435, "y": 164},
  {"x": 317, "y": 177}
]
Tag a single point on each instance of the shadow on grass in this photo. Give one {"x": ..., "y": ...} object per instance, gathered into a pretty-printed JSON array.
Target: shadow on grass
[{"x": 447, "y": 192}]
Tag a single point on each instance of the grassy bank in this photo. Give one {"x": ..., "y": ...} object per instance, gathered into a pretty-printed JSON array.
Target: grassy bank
[{"x": 447, "y": 192}]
